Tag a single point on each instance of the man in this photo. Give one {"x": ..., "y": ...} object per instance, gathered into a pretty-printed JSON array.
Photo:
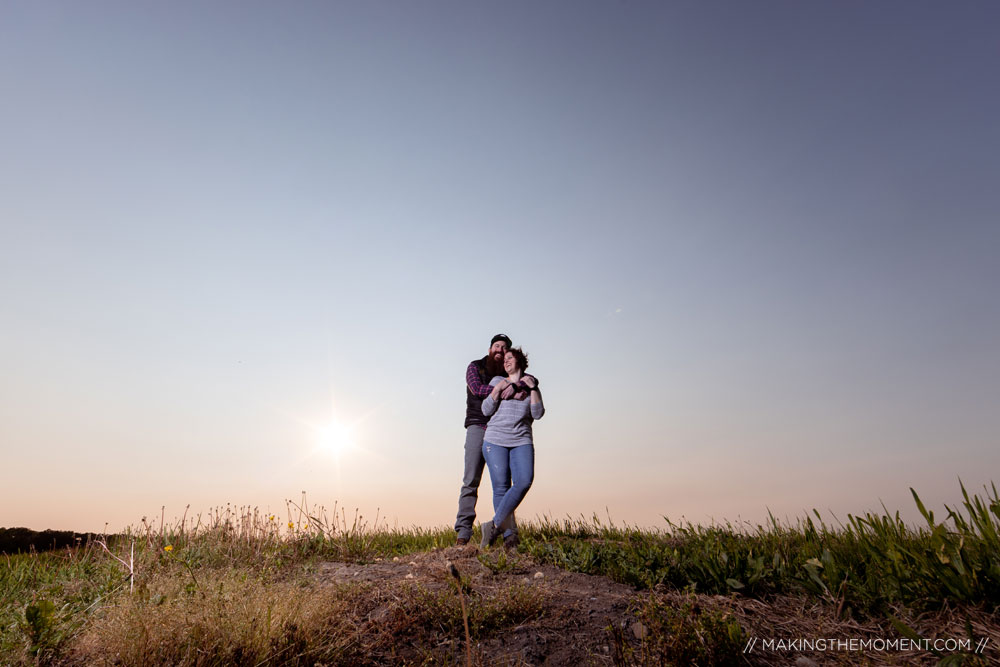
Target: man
[{"x": 477, "y": 387}]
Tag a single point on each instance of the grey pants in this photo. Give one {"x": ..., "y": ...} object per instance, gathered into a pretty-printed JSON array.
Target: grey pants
[{"x": 474, "y": 464}]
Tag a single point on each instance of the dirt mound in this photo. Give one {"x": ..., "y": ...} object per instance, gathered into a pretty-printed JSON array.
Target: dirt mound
[{"x": 570, "y": 625}]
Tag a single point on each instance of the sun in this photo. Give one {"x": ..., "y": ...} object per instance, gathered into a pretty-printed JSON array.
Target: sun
[{"x": 333, "y": 438}]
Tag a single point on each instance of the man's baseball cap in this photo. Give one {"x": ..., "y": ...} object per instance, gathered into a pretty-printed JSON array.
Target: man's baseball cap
[{"x": 502, "y": 337}]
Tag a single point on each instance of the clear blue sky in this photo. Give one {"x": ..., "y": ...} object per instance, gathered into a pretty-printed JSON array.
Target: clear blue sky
[{"x": 750, "y": 248}]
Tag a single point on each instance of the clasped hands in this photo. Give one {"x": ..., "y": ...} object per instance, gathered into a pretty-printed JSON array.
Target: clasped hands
[{"x": 509, "y": 389}]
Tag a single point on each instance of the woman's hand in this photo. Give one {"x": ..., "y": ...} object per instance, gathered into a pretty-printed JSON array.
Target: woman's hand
[
  {"x": 530, "y": 381},
  {"x": 501, "y": 388}
]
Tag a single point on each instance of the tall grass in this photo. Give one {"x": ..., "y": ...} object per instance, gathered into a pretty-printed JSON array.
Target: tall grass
[
  {"x": 242, "y": 563},
  {"x": 866, "y": 566}
]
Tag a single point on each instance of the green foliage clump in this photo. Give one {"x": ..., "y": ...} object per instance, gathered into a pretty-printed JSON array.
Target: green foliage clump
[
  {"x": 685, "y": 635},
  {"x": 876, "y": 560},
  {"x": 45, "y": 597},
  {"x": 866, "y": 566}
]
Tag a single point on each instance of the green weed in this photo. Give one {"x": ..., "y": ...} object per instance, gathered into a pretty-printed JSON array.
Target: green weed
[
  {"x": 864, "y": 567},
  {"x": 668, "y": 635}
]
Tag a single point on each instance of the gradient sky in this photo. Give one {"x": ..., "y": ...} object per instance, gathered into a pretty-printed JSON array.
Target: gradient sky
[{"x": 750, "y": 248}]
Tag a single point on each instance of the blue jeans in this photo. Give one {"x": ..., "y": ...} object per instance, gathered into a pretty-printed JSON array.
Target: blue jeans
[
  {"x": 512, "y": 470},
  {"x": 471, "y": 477}
]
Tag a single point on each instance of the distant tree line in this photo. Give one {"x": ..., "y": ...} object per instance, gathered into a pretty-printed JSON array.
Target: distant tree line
[{"x": 23, "y": 540}]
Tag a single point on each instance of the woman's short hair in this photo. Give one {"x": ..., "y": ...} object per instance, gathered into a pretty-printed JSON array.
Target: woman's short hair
[{"x": 520, "y": 357}]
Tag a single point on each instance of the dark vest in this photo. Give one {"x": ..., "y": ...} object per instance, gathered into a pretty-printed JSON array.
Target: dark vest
[{"x": 474, "y": 404}]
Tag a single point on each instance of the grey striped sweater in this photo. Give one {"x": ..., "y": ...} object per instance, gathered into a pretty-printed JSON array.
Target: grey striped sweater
[{"x": 510, "y": 420}]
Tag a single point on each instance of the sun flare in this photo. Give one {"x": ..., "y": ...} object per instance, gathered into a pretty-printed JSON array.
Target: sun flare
[{"x": 334, "y": 438}]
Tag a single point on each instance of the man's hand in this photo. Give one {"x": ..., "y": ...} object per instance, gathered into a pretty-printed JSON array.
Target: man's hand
[{"x": 530, "y": 381}]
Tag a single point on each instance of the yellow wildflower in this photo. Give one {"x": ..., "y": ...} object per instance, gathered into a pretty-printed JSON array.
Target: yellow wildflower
[{"x": 169, "y": 547}]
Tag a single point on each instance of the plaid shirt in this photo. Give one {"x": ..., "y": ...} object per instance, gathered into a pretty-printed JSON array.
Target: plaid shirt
[{"x": 474, "y": 379}]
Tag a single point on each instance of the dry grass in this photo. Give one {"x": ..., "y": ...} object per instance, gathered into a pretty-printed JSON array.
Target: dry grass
[{"x": 232, "y": 618}]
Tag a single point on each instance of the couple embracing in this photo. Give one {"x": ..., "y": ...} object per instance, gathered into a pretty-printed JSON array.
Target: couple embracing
[{"x": 501, "y": 403}]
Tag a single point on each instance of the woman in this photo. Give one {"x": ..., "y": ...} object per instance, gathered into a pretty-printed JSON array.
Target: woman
[{"x": 507, "y": 444}]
